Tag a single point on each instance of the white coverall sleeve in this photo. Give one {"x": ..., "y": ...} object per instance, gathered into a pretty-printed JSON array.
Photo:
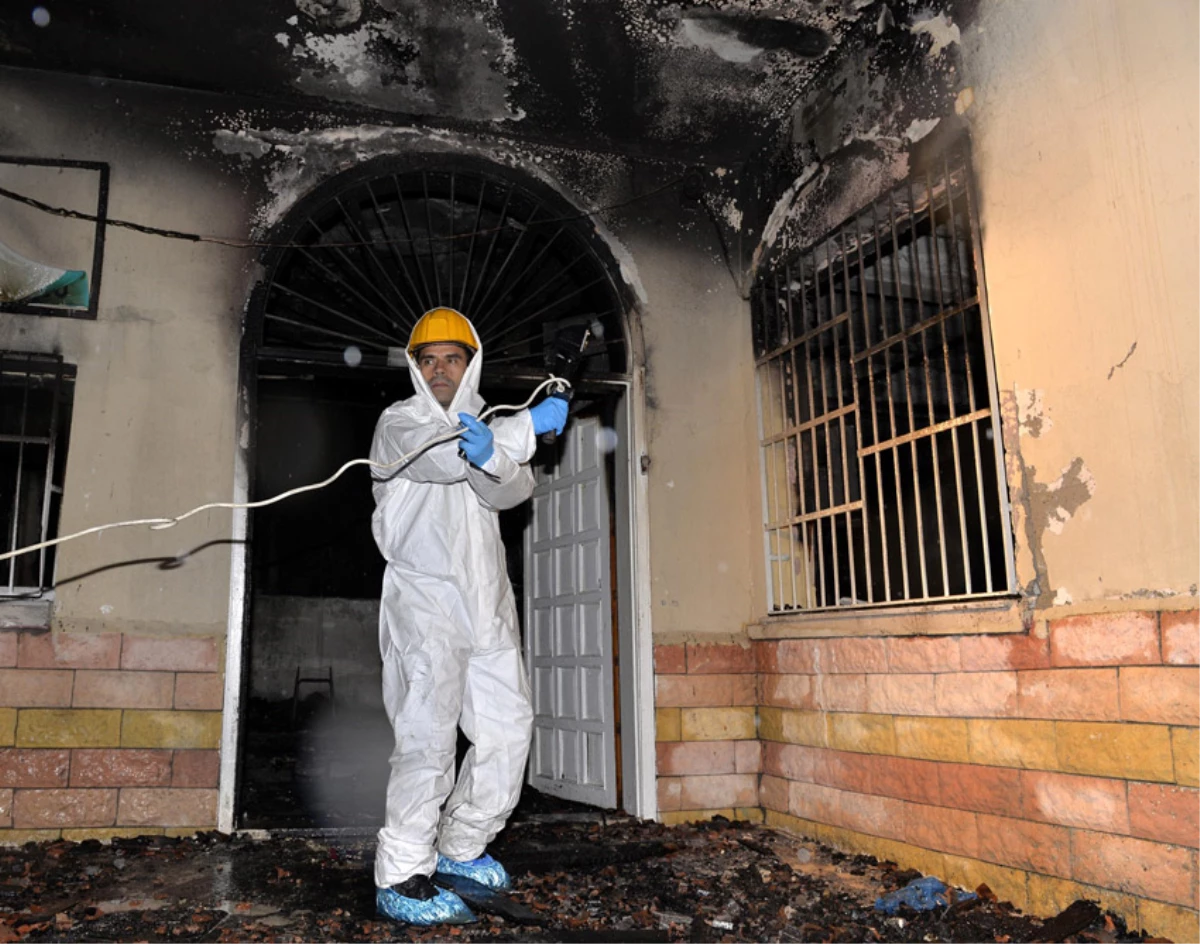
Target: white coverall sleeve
[
  {"x": 395, "y": 438},
  {"x": 514, "y": 435},
  {"x": 506, "y": 479},
  {"x": 503, "y": 484}
]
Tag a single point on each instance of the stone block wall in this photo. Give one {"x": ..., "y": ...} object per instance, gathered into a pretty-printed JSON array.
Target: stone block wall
[
  {"x": 1052, "y": 766},
  {"x": 107, "y": 735},
  {"x": 706, "y": 725}
]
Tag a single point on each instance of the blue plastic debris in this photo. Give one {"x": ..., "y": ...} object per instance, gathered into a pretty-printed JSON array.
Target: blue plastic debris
[{"x": 921, "y": 894}]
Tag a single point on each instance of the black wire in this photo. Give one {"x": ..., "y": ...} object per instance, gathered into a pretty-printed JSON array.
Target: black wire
[
  {"x": 252, "y": 244},
  {"x": 725, "y": 253}
]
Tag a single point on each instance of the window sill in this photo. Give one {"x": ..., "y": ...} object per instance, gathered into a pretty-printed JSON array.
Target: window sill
[
  {"x": 24, "y": 614},
  {"x": 996, "y": 615}
]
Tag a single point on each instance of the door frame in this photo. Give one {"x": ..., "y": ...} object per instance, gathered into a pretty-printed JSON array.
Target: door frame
[{"x": 635, "y": 641}]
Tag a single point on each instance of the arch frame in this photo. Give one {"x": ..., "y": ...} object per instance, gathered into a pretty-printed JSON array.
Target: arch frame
[{"x": 635, "y": 640}]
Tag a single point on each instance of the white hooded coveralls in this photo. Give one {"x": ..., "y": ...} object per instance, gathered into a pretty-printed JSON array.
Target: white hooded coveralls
[{"x": 448, "y": 630}]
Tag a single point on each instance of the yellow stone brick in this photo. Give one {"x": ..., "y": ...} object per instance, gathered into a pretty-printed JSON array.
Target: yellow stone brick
[
  {"x": 791, "y": 726},
  {"x": 869, "y": 845},
  {"x": 108, "y": 833},
  {"x": 751, "y": 814},
  {"x": 770, "y": 723},
  {"x": 1050, "y": 896},
  {"x": 666, "y": 724},
  {"x": 68, "y": 727},
  {"x": 181, "y": 832},
  {"x": 178, "y": 729},
  {"x": 1028, "y": 744},
  {"x": 809, "y": 728},
  {"x": 1185, "y": 746},
  {"x": 1008, "y": 884},
  {"x": 676, "y": 817},
  {"x": 798, "y": 828},
  {"x": 1128, "y": 751},
  {"x": 834, "y": 836},
  {"x": 8, "y": 726},
  {"x": 925, "y": 861},
  {"x": 932, "y": 738},
  {"x": 787, "y": 823},
  {"x": 717, "y": 724},
  {"x": 866, "y": 734},
  {"x": 18, "y": 837},
  {"x": 1168, "y": 921}
]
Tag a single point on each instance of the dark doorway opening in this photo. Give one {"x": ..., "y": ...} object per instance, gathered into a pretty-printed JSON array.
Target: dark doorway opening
[
  {"x": 353, "y": 265},
  {"x": 315, "y": 740}
]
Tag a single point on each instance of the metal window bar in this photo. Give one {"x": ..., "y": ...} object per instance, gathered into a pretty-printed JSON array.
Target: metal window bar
[
  {"x": 878, "y": 418},
  {"x": 35, "y": 407}
]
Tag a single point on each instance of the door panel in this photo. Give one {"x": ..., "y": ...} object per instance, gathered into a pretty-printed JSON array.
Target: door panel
[{"x": 568, "y": 608}]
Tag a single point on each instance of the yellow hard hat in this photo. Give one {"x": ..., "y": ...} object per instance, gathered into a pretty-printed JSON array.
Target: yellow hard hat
[{"x": 442, "y": 326}]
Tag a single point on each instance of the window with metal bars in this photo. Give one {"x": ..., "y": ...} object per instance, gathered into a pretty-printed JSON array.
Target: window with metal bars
[
  {"x": 883, "y": 472},
  {"x": 36, "y": 393}
]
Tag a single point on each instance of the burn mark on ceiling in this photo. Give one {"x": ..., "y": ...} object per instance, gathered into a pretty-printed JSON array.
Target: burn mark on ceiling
[
  {"x": 674, "y": 79},
  {"x": 331, "y": 14},
  {"x": 869, "y": 116},
  {"x": 740, "y": 37}
]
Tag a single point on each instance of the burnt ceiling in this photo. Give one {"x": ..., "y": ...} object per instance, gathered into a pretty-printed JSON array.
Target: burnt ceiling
[{"x": 688, "y": 81}]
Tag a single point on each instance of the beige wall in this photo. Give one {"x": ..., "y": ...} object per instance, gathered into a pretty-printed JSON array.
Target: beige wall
[
  {"x": 705, "y": 512},
  {"x": 153, "y": 426},
  {"x": 1084, "y": 123}
]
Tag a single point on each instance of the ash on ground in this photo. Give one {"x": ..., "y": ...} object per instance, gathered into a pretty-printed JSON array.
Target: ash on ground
[{"x": 578, "y": 876}]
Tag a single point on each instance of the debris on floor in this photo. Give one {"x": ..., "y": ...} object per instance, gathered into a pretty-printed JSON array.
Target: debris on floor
[{"x": 578, "y": 877}]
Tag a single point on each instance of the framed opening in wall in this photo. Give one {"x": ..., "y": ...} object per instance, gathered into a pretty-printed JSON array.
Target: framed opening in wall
[
  {"x": 353, "y": 266},
  {"x": 879, "y": 428},
  {"x": 52, "y": 224},
  {"x": 36, "y": 395}
]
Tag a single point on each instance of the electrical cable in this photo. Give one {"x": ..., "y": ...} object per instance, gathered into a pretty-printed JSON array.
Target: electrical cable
[
  {"x": 161, "y": 524},
  {"x": 254, "y": 244}
]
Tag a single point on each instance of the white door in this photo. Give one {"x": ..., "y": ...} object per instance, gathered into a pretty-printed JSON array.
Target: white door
[{"x": 568, "y": 620}]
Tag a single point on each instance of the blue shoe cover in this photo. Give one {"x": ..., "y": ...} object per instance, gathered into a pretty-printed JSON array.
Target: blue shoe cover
[
  {"x": 485, "y": 870},
  {"x": 445, "y": 908}
]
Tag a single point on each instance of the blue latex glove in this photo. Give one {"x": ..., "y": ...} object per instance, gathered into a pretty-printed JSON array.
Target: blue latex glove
[
  {"x": 477, "y": 440},
  {"x": 550, "y": 414},
  {"x": 921, "y": 894}
]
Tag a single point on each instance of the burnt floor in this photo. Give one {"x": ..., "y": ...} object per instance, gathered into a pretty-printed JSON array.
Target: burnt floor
[{"x": 579, "y": 876}]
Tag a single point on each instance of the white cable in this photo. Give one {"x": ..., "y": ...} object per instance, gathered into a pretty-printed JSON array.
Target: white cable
[{"x": 161, "y": 524}]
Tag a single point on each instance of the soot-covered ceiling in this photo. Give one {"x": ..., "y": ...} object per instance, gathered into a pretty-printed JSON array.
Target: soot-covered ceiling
[{"x": 692, "y": 81}]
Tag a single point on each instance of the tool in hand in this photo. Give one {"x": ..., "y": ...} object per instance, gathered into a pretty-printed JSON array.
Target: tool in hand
[{"x": 563, "y": 360}]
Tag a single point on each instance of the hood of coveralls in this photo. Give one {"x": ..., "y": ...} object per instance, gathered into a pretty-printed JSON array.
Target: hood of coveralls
[{"x": 466, "y": 398}]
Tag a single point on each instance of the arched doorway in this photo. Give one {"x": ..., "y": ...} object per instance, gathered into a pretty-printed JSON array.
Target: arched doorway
[
  {"x": 363, "y": 256},
  {"x": 351, "y": 268}
]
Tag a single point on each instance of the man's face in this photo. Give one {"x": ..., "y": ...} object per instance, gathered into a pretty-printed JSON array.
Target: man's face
[{"x": 443, "y": 366}]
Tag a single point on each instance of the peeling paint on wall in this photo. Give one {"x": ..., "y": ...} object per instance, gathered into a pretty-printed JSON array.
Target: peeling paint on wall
[
  {"x": 780, "y": 213},
  {"x": 1031, "y": 413},
  {"x": 939, "y": 28},
  {"x": 1048, "y": 508},
  {"x": 1058, "y": 501},
  {"x": 919, "y": 128}
]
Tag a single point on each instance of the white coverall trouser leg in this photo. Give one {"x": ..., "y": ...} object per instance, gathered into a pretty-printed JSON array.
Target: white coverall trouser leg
[{"x": 428, "y": 692}]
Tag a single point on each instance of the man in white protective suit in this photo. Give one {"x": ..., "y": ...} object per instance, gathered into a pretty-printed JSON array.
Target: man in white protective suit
[{"x": 448, "y": 623}]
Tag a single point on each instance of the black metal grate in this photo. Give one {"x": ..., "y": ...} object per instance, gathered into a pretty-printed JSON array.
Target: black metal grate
[
  {"x": 377, "y": 247},
  {"x": 36, "y": 393},
  {"x": 98, "y": 223},
  {"x": 883, "y": 469}
]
